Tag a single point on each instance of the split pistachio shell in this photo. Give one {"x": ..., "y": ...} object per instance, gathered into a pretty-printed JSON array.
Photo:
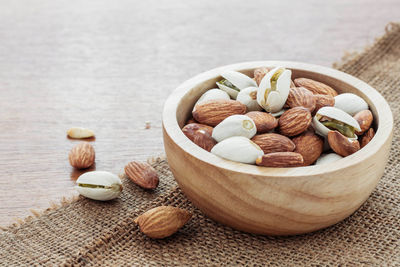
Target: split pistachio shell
[
  {"x": 238, "y": 80},
  {"x": 99, "y": 185},
  {"x": 239, "y": 149},
  {"x": 328, "y": 158},
  {"x": 213, "y": 94},
  {"x": 248, "y": 97},
  {"x": 350, "y": 103},
  {"x": 235, "y": 125},
  {"x": 274, "y": 89},
  {"x": 279, "y": 113},
  {"x": 336, "y": 114},
  {"x": 79, "y": 133}
]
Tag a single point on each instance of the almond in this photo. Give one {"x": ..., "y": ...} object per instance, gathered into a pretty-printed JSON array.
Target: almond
[
  {"x": 301, "y": 97},
  {"x": 213, "y": 112},
  {"x": 259, "y": 73},
  {"x": 264, "y": 121},
  {"x": 82, "y": 156},
  {"x": 204, "y": 140},
  {"x": 367, "y": 137},
  {"x": 191, "y": 120},
  {"x": 310, "y": 146},
  {"x": 364, "y": 119},
  {"x": 341, "y": 144},
  {"x": 323, "y": 101},
  {"x": 294, "y": 121},
  {"x": 272, "y": 142},
  {"x": 280, "y": 159},
  {"x": 163, "y": 221},
  {"x": 292, "y": 85},
  {"x": 142, "y": 174},
  {"x": 315, "y": 87},
  {"x": 190, "y": 129}
]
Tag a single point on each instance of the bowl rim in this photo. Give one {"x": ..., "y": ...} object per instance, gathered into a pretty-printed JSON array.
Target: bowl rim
[{"x": 383, "y": 133}]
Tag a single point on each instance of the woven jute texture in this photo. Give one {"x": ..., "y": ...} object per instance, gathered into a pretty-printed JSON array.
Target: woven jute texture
[{"x": 92, "y": 233}]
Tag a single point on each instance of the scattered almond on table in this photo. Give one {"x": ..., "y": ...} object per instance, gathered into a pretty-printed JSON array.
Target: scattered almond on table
[{"x": 274, "y": 121}]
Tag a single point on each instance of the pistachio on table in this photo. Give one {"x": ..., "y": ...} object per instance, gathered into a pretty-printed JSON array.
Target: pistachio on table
[
  {"x": 289, "y": 124},
  {"x": 99, "y": 185}
]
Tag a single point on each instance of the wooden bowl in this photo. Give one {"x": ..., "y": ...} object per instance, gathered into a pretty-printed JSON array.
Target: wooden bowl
[{"x": 275, "y": 201}]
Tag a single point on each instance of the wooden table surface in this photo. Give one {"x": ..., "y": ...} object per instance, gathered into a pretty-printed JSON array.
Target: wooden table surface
[{"x": 110, "y": 65}]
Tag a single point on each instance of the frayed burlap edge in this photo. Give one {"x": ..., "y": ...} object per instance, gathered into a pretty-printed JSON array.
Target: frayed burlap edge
[
  {"x": 352, "y": 56},
  {"x": 37, "y": 213}
]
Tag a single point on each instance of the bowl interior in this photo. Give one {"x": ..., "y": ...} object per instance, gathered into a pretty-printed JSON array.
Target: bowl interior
[{"x": 178, "y": 108}]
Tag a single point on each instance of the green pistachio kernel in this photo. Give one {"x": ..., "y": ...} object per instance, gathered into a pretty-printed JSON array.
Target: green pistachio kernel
[
  {"x": 93, "y": 186},
  {"x": 228, "y": 84},
  {"x": 344, "y": 129}
]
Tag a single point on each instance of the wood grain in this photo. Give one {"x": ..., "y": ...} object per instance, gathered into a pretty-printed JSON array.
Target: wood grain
[
  {"x": 275, "y": 201},
  {"x": 110, "y": 65}
]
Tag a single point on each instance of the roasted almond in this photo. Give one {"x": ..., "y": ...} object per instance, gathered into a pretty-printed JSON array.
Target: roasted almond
[
  {"x": 82, "y": 156},
  {"x": 310, "y": 146},
  {"x": 264, "y": 121},
  {"x": 163, "y": 221},
  {"x": 213, "y": 112},
  {"x": 364, "y": 119},
  {"x": 301, "y": 97},
  {"x": 367, "y": 137},
  {"x": 315, "y": 87},
  {"x": 259, "y": 73},
  {"x": 294, "y": 121},
  {"x": 323, "y": 101},
  {"x": 204, "y": 140},
  {"x": 342, "y": 145},
  {"x": 272, "y": 142},
  {"x": 280, "y": 159},
  {"x": 142, "y": 174}
]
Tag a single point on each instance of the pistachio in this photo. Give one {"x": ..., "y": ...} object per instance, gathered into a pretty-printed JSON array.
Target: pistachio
[
  {"x": 274, "y": 89},
  {"x": 80, "y": 133},
  {"x": 328, "y": 158},
  {"x": 239, "y": 149},
  {"x": 235, "y": 125},
  {"x": 234, "y": 81},
  {"x": 99, "y": 185},
  {"x": 212, "y": 94},
  {"x": 331, "y": 118},
  {"x": 248, "y": 97},
  {"x": 350, "y": 103}
]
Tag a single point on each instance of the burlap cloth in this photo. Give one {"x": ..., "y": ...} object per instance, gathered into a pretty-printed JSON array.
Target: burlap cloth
[{"x": 85, "y": 232}]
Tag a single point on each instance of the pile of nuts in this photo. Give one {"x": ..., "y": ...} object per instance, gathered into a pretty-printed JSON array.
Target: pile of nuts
[
  {"x": 272, "y": 121},
  {"x": 159, "y": 222}
]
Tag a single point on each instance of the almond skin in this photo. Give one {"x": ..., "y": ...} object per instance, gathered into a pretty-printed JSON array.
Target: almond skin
[
  {"x": 82, "y": 156},
  {"x": 294, "y": 121},
  {"x": 364, "y": 119},
  {"x": 212, "y": 112},
  {"x": 272, "y": 142},
  {"x": 190, "y": 129},
  {"x": 163, "y": 221},
  {"x": 323, "y": 101},
  {"x": 204, "y": 140},
  {"x": 342, "y": 145},
  {"x": 315, "y": 87},
  {"x": 142, "y": 174},
  {"x": 280, "y": 159},
  {"x": 259, "y": 74},
  {"x": 310, "y": 146},
  {"x": 301, "y": 97},
  {"x": 367, "y": 137},
  {"x": 264, "y": 121}
]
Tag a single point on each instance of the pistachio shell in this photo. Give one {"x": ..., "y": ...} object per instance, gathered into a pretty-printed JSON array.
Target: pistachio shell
[
  {"x": 276, "y": 99},
  {"x": 235, "y": 125},
  {"x": 248, "y": 97},
  {"x": 213, "y": 94},
  {"x": 328, "y": 158},
  {"x": 238, "y": 79},
  {"x": 336, "y": 114},
  {"x": 231, "y": 92},
  {"x": 109, "y": 185},
  {"x": 350, "y": 103},
  {"x": 279, "y": 113},
  {"x": 239, "y": 149}
]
